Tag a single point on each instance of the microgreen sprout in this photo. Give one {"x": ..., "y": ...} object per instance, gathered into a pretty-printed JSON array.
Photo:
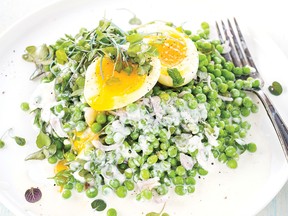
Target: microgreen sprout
[
  {"x": 276, "y": 88},
  {"x": 2, "y": 143},
  {"x": 33, "y": 195},
  {"x": 134, "y": 20},
  {"x": 158, "y": 214},
  {"x": 99, "y": 205},
  {"x": 19, "y": 140}
]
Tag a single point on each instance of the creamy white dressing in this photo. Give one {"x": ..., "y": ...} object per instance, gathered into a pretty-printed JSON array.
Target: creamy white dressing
[{"x": 44, "y": 98}]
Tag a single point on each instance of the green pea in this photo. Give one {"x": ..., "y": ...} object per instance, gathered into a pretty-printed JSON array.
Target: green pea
[
  {"x": 254, "y": 108},
  {"x": 53, "y": 159},
  {"x": 66, "y": 194},
  {"x": 172, "y": 151},
  {"x": 68, "y": 186},
  {"x": 222, "y": 87},
  {"x": 230, "y": 151},
  {"x": 190, "y": 180},
  {"x": 101, "y": 118},
  {"x": 238, "y": 71},
  {"x": 239, "y": 84},
  {"x": 202, "y": 171},
  {"x": 193, "y": 104},
  {"x": 79, "y": 186},
  {"x": 77, "y": 115},
  {"x": 246, "y": 70},
  {"x": 232, "y": 163},
  {"x": 190, "y": 189},
  {"x": 145, "y": 174},
  {"x": 180, "y": 190},
  {"x": 109, "y": 140},
  {"x": 134, "y": 135},
  {"x": 111, "y": 212},
  {"x": 245, "y": 111},
  {"x": 235, "y": 93},
  {"x": 164, "y": 145},
  {"x": 89, "y": 177},
  {"x": 229, "y": 66},
  {"x": 256, "y": 83},
  {"x": 92, "y": 192},
  {"x": 231, "y": 85},
  {"x": 192, "y": 172},
  {"x": 58, "y": 144},
  {"x": 230, "y": 128},
  {"x": 195, "y": 38},
  {"x": 222, "y": 158},
  {"x": 25, "y": 106},
  {"x": 217, "y": 72},
  {"x": 128, "y": 173},
  {"x": 201, "y": 98},
  {"x": 96, "y": 127},
  {"x": 81, "y": 126},
  {"x": 219, "y": 48},
  {"x": 178, "y": 180},
  {"x": 69, "y": 156},
  {"x": 212, "y": 94},
  {"x": 180, "y": 170},
  {"x": 205, "y": 25},
  {"x": 147, "y": 194},
  {"x": 121, "y": 191},
  {"x": 59, "y": 154},
  {"x": 252, "y": 147},
  {"x": 171, "y": 173},
  {"x": 129, "y": 185},
  {"x": 152, "y": 159},
  {"x": 164, "y": 96},
  {"x": 247, "y": 102},
  {"x": 114, "y": 183}
]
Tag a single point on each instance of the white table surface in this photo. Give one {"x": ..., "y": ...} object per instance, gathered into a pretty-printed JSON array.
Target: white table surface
[{"x": 275, "y": 22}]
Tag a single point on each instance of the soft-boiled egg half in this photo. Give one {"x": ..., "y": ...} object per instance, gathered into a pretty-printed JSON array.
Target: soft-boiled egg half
[
  {"x": 176, "y": 51},
  {"x": 107, "y": 89}
]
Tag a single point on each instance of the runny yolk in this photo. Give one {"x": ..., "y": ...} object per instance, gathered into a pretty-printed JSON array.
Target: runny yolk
[
  {"x": 82, "y": 138},
  {"x": 114, "y": 84},
  {"x": 60, "y": 166},
  {"x": 172, "y": 49}
]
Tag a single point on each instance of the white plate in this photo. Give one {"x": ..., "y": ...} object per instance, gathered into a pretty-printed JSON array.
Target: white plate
[{"x": 244, "y": 191}]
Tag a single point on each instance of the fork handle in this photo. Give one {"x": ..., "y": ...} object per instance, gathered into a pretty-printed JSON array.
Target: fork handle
[{"x": 278, "y": 123}]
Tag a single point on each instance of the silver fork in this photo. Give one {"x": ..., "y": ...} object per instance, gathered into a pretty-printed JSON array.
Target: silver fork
[{"x": 240, "y": 56}]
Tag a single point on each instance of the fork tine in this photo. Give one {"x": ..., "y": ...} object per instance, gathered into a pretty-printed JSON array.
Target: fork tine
[
  {"x": 237, "y": 45},
  {"x": 244, "y": 46},
  {"x": 226, "y": 55},
  {"x": 233, "y": 52},
  {"x": 219, "y": 34}
]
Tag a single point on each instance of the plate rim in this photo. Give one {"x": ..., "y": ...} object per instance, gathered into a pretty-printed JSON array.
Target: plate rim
[{"x": 6, "y": 200}]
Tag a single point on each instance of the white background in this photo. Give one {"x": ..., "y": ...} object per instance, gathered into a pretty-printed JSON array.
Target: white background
[{"x": 268, "y": 15}]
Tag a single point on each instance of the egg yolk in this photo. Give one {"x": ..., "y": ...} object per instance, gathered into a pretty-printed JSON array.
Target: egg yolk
[
  {"x": 113, "y": 84},
  {"x": 61, "y": 165},
  {"x": 82, "y": 138},
  {"x": 172, "y": 49}
]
